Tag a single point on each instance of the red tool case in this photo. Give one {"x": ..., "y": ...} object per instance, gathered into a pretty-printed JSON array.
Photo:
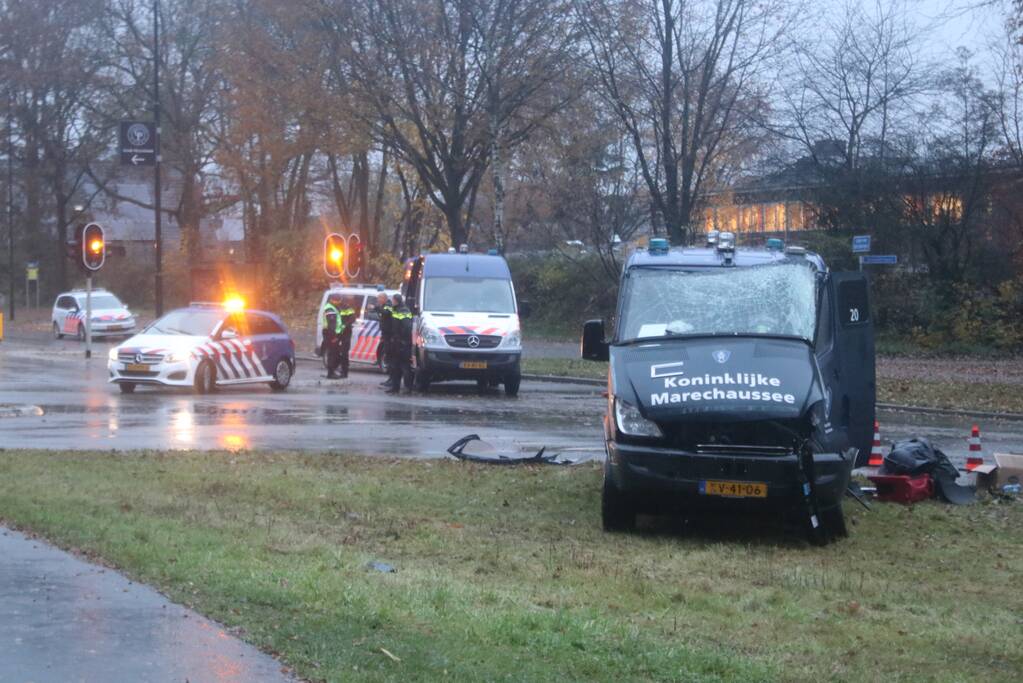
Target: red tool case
[{"x": 902, "y": 488}]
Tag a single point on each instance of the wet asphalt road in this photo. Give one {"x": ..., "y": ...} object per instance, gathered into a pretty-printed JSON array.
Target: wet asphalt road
[
  {"x": 63, "y": 620},
  {"x": 51, "y": 397}
]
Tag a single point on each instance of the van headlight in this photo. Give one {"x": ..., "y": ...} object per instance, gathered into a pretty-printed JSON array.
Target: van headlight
[
  {"x": 430, "y": 336},
  {"x": 513, "y": 340},
  {"x": 631, "y": 422},
  {"x": 112, "y": 354}
]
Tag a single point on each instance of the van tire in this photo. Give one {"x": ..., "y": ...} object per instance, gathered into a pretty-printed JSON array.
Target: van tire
[
  {"x": 511, "y": 384},
  {"x": 617, "y": 510},
  {"x": 834, "y": 523},
  {"x": 421, "y": 381},
  {"x": 205, "y": 381}
]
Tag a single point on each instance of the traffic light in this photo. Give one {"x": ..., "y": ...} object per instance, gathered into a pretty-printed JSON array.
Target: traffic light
[
  {"x": 94, "y": 247},
  {"x": 354, "y": 263},
  {"x": 334, "y": 247}
]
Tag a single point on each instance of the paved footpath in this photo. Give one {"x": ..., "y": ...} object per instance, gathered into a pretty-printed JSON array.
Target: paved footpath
[{"x": 68, "y": 621}]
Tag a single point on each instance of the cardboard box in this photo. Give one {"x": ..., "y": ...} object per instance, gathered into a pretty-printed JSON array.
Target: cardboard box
[{"x": 1008, "y": 469}]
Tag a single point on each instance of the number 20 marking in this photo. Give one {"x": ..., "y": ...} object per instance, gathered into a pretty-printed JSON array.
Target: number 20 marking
[{"x": 854, "y": 315}]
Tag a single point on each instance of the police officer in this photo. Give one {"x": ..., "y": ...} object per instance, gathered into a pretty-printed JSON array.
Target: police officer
[
  {"x": 399, "y": 352},
  {"x": 347, "y": 314},
  {"x": 386, "y": 322},
  {"x": 332, "y": 326}
]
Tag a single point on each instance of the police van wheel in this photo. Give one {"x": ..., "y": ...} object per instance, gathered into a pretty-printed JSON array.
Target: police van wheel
[
  {"x": 126, "y": 387},
  {"x": 834, "y": 523},
  {"x": 511, "y": 384},
  {"x": 81, "y": 332},
  {"x": 421, "y": 381},
  {"x": 205, "y": 378},
  {"x": 56, "y": 332},
  {"x": 282, "y": 375},
  {"x": 617, "y": 511}
]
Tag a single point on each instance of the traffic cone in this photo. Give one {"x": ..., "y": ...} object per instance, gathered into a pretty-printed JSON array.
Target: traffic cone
[
  {"x": 876, "y": 457},
  {"x": 975, "y": 458}
]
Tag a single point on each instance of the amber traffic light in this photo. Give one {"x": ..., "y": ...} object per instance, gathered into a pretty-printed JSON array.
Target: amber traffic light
[
  {"x": 334, "y": 248},
  {"x": 94, "y": 247}
]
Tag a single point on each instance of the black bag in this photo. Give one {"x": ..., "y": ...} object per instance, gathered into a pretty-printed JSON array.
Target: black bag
[{"x": 917, "y": 456}]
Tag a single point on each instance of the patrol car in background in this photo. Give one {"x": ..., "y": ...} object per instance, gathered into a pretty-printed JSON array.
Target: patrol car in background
[
  {"x": 366, "y": 330},
  {"x": 205, "y": 346},
  {"x": 110, "y": 317},
  {"x": 466, "y": 320}
]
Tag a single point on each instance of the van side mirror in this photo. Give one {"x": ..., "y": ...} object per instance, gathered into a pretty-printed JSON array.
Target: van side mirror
[
  {"x": 594, "y": 346},
  {"x": 525, "y": 309}
]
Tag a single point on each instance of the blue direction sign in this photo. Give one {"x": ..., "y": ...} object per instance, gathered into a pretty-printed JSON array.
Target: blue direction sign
[
  {"x": 879, "y": 260},
  {"x": 861, "y": 244}
]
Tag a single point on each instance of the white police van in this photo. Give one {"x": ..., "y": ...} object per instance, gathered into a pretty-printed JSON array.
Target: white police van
[
  {"x": 366, "y": 330},
  {"x": 466, "y": 320},
  {"x": 110, "y": 317}
]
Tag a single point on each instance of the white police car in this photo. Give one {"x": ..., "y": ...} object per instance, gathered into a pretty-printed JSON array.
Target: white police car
[
  {"x": 110, "y": 317},
  {"x": 205, "y": 346},
  {"x": 366, "y": 329}
]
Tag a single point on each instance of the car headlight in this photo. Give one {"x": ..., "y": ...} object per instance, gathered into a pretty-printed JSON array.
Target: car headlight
[
  {"x": 631, "y": 422},
  {"x": 112, "y": 354},
  {"x": 513, "y": 340},
  {"x": 431, "y": 337},
  {"x": 176, "y": 357}
]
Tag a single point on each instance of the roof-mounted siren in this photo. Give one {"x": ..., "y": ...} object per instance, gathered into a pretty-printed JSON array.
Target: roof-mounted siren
[
  {"x": 657, "y": 246},
  {"x": 712, "y": 237},
  {"x": 726, "y": 241},
  {"x": 463, "y": 249},
  {"x": 775, "y": 244},
  {"x": 795, "y": 251}
]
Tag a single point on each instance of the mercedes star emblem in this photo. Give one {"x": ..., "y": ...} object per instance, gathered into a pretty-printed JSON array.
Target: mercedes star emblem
[{"x": 473, "y": 341}]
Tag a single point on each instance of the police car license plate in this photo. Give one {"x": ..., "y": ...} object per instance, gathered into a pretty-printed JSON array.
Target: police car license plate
[
  {"x": 473, "y": 365},
  {"x": 734, "y": 489},
  {"x": 136, "y": 367}
]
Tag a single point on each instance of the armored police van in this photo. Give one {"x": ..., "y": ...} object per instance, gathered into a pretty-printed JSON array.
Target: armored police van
[
  {"x": 466, "y": 320},
  {"x": 738, "y": 378}
]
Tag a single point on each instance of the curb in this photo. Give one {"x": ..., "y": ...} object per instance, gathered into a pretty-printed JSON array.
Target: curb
[{"x": 560, "y": 379}]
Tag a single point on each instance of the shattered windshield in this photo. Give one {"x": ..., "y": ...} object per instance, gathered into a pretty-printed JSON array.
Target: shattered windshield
[{"x": 776, "y": 299}]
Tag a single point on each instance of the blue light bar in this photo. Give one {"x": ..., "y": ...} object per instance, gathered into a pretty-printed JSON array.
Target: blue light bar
[
  {"x": 775, "y": 244},
  {"x": 658, "y": 246}
]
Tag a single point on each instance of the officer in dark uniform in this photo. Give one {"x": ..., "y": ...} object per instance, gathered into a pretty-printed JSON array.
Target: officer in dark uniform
[
  {"x": 332, "y": 326},
  {"x": 347, "y": 314},
  {"x": 386, "y": 322},
  {"x": 399, "y": 353}
]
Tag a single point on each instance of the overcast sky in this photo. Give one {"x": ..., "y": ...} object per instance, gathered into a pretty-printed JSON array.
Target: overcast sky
[{"x": 953, "y": 23}]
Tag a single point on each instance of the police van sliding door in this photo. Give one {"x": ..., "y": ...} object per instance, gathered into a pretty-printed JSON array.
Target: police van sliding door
[{"x": 845, "y": 352}]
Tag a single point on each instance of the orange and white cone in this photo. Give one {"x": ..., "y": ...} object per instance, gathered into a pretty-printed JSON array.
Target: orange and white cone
[
  {"x": 975, "y": 458},
  {"x": 876, "y": 456}
]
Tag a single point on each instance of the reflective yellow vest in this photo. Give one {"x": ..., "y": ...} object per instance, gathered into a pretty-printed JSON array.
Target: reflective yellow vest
[{"x": 339, "y": 326}]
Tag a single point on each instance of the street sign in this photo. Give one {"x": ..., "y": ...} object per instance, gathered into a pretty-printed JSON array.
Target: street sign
[
  {"x": 138, "y": 143},
  {"x": 861, "y": 244},
  {"x": 32, "y": 271},
  {"x": 879, "y": 260}
]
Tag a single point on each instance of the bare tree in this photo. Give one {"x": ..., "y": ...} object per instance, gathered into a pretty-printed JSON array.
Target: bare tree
[
  {"x": 682, "y": 77},
  {"x": 446, "y": 84}
]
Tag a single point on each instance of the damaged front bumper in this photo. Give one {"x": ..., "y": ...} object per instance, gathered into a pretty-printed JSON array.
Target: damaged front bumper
[{"x": 667, "y": 476}]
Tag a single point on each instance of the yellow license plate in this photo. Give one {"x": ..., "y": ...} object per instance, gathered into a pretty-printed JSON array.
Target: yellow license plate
[
  {"x": 734, "y": 489},
  {"x": 136, "y": 367},
  {"x": 473, "y": 365}
]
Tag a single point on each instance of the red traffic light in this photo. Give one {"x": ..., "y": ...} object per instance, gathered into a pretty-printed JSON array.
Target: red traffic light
[
  {"x": 94, "y": 248},
  {"x": 334, "y": 248}
]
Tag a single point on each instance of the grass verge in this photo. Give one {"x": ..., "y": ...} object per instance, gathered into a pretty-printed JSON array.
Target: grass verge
[
  {"x": 954, "y": 395},
  {"x": 503, "y": 573}
]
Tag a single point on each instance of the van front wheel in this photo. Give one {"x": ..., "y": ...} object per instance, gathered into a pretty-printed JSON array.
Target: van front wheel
[{"x": 511, "y": 384}]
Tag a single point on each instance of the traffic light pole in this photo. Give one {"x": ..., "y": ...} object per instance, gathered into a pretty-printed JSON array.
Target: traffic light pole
[
  {"x": 88, "y": 316},
  {"x": 156, "y": 168},
  {"x": 10, "y": 196}
]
